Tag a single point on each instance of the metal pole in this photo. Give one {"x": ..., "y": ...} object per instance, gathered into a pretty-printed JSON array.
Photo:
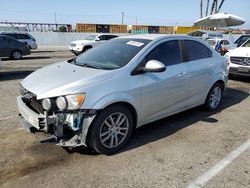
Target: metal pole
[
  {"x": 55, "y": 20},
  {"x": 122, "y": 17}
]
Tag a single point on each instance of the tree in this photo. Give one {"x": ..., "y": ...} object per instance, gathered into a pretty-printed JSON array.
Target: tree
[
  {"x": 214, "y": 7},
  {"x": 207, "y": 7},
  {"x": 221, "y": 3},
  {"x": 62, "y": 29}
]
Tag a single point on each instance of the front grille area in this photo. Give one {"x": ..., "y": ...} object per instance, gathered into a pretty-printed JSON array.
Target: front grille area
[
  {"x": 30, "y": 100},
  {"x": 245, "y": 61}
]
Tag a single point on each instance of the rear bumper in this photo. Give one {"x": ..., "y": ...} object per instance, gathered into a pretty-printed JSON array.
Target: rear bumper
[{"x": 33, "y": 46}]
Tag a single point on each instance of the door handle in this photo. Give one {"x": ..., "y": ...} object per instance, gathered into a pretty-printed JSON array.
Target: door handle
[
  {"x": 211, "y": 66},
  {"x": 180, "y": 75}
]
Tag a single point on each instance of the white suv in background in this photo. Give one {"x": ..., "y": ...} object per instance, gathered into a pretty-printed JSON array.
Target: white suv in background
[
  {"x": 240, "y": 60},
  {"x": 23, "y": 37},
  {"x": 79, "y": 46}
]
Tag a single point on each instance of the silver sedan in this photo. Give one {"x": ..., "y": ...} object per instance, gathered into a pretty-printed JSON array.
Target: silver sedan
[{"x": 99, "y": 98}]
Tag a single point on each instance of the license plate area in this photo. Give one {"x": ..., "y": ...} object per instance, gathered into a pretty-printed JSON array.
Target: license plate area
[{"x": 243, "y": 69}]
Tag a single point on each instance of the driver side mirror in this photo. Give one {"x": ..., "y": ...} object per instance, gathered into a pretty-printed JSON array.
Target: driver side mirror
[
  {"x": 151, "y": 66},
  {"x": 97, "y": 39}
]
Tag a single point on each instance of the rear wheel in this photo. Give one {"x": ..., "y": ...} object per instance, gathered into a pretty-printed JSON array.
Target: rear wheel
[
  {"x": 16, "y": 54},
  {"x": 214, "y": 97},
  {"x": 111, "y": 130}
]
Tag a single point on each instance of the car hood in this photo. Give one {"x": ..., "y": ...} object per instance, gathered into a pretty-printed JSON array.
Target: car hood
[
  {"x": 81, "y": 41},
  {"x": 240, "y": 52},
  {"x": 62, "y": 79}
]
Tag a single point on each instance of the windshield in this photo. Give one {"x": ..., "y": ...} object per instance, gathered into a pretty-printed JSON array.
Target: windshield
[
  {"x": 91, "y": 37},
  {"x": 113, "y": 54},
  {"x": 246, "y": 44}
]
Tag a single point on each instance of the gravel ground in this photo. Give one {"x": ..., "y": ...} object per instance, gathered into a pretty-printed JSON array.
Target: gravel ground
[{"x": 171, "y": 152}]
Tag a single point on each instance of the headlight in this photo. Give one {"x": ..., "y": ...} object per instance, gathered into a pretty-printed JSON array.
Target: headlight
[
  {"x": 79, "y": 44},
  {"x": 70, "y": 102},
  {"x": 46, "y": 104},
  {"x": 61, "y": 103}
]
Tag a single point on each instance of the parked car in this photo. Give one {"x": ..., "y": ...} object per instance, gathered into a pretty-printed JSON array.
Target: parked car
[
  {"x": 241, "y": 40},
  {"x": 203, "y": 34},
  {"x": 226, "y": 46},
  {"x": 99, "y": 98},
  {"x": 12, "y": 48},
  {"x": 23, "y": 37},
  {"x": 80, "y": 46},
  {"x": 240, "y": 60}
]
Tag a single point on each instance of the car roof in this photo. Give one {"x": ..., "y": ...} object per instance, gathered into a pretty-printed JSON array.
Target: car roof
[
  {"x": 13, "y": 33},
  {"x": 10, "y": 38},
  {"x": 157, "y": 36},
  {"x": 217, "y": 39}
]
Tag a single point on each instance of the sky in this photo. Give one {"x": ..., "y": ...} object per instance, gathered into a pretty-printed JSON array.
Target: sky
[{"x": 153, "y": 12}]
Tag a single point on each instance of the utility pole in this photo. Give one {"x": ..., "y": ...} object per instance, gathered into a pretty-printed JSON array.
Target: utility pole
[
  {"x": 201, "y": 8},
  {"x": 122, "y": 17},
  {"x": 55, "y": 19}
]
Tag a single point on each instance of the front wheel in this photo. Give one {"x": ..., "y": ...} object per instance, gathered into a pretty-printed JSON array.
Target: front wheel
[
  {"x": 111, "y": 130},
  {"x": 214, "y": 97}
]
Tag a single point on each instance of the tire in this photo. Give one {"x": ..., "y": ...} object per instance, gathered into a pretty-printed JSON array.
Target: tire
[
  {"x": 16, "y": 54},
  {"x": 111, "y": 130},
  {"x": 214, "y": 97}
]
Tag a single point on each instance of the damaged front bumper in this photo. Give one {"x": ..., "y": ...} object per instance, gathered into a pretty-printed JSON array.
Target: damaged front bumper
[{"x": 68, "y": 129}]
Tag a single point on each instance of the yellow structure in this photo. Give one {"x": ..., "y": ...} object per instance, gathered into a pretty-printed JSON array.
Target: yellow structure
[{"x": 185, "y": 29}]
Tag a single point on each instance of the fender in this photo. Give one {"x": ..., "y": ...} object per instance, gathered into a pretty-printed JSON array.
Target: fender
[{"x": 114, "y": 98}]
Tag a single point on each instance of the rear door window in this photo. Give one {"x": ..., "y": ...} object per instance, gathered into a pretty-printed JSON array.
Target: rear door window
[
  {"x": 11, "y": 35},
  {"x": 22, "y": 36},
  {"x": 167, "y": 52},
  {"x": 194, "y": 50}
]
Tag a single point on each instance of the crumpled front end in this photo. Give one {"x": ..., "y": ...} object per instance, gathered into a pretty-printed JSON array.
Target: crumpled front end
[{"x": 67, "y": 128}]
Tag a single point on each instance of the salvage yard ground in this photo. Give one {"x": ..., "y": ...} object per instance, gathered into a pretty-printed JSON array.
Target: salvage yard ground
[{"x": 172, "y": 152}]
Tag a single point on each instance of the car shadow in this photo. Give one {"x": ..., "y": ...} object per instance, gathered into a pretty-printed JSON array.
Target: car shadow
[
  {"x": 27, "y": 58},
  {"x": 240, "y": 78},
  {"x": 48, "y": 51},
  {"x": 14, "y": 75},
  {"x": 170, "y": 125}
]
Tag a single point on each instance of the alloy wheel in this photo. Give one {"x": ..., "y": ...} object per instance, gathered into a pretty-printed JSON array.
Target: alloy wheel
[
  {"x": 215, "y": 97},
  {"x": 114, "y": 130}
]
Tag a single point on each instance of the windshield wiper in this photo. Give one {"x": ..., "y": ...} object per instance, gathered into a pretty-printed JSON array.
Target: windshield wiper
[
  {"x": 89, "y": 66},
  {"x": 73, "y": 61}
]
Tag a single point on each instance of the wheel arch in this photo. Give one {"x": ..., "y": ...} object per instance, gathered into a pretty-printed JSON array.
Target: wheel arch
[{"x": 123, "y": 103}]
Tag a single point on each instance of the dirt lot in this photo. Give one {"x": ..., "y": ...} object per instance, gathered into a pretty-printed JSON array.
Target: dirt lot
[{"x": 171, "y": 152}]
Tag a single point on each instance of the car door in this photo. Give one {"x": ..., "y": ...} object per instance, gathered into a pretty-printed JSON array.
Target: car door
[
  {"x": 199, "y": 61},
  {"x": 163, "y": 93},
  {"x": 4, "y": 47}
]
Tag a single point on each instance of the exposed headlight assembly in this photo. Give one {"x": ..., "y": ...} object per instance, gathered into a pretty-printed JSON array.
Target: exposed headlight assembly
[
  {"x": 70, "y": 102},
  {"x": 46, "y": 103}
]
